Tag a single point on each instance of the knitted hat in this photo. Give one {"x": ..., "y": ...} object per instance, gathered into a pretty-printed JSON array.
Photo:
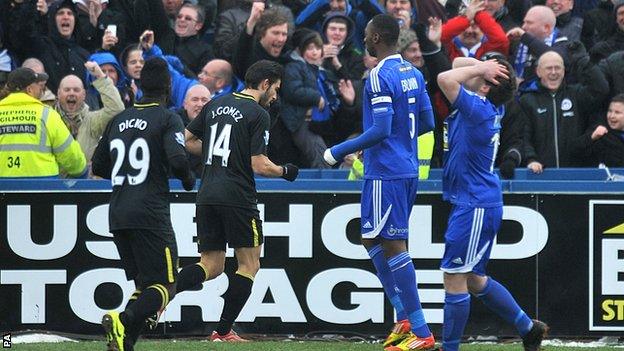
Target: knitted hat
[
  {"x": 406, "y": 38},
  {"x": 304, "y": 36}
]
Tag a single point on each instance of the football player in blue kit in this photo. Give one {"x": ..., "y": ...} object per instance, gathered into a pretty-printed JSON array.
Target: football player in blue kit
[
  {"x": 478, "y": 91},
  {"x": 396, "y": 110}
]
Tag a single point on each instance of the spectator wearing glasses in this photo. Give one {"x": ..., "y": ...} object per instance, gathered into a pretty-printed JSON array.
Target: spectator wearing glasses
[
  {"x": 218, "y": 77},
  {"x": 185, "y": 41}
]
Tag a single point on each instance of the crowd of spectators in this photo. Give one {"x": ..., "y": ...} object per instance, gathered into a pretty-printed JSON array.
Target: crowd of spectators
[{"x": 568, "y": 56}]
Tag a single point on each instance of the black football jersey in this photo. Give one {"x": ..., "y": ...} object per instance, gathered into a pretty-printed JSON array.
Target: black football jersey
[
  {"x": 232, "y": 129},
  {"x": 135, "y": 149}
]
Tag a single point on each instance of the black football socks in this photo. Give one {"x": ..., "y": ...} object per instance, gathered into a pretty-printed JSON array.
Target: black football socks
[
  {"x": 235, "y": 298},
  {"x": 191, "y": 277}
]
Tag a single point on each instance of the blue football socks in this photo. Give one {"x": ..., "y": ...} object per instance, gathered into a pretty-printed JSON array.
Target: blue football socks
[
  {"x": 456, "y": 312},
  {"x": 404, "y": 275},
  {"x": 387, "y": 280},
  {"x": 498, "y": 299}
]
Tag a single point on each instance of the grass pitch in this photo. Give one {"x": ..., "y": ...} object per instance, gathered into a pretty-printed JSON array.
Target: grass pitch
[{"x": 183, "y": 345}]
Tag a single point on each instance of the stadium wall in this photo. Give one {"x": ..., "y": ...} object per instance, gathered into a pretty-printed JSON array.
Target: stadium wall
[{"x": 560, "y": 251}]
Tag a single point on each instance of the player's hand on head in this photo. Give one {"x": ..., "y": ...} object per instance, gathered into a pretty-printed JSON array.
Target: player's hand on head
[
  {"x": 493, "y": 71},
  {"x": 290, "y": 172}
]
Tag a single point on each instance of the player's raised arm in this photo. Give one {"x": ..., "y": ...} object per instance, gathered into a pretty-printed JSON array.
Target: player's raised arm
[{"x": 450, "y": 81}]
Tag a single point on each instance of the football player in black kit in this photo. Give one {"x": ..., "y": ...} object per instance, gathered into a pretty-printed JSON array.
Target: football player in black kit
[
  {"x": 136, "y": 151},
  {"x": 232, "y": 133}
]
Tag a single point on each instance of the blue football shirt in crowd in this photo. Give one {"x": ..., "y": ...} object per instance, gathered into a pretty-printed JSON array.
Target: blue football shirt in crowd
[{"x": 471, "y": 141}]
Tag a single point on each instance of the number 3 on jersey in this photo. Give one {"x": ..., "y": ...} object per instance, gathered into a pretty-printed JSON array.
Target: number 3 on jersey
[
  {"x": 219, "y": 145},
  {"x": 140, "y": 164}
]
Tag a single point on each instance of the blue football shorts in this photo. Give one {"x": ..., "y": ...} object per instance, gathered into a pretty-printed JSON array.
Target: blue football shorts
[
  {"x": 469, "y": 238},
  {"x": 386, "y": 206}
]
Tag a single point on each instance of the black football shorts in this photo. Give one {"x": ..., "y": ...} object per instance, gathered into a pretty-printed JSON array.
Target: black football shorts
[
  {"x": 148, "y": 256},
  {"x": 236, "y": 226}
]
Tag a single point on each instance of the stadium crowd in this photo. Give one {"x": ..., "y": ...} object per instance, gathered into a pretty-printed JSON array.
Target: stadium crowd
[{"x": 72, "y": 65}]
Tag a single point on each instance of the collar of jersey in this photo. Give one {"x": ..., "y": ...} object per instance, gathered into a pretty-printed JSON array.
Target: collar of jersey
[
  {"x": 152, "y": 104},
  {"x": 391, "y": 57},
  {"x": 244, "y": 96}
]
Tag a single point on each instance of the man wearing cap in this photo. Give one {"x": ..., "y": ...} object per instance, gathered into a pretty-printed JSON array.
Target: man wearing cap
[{"x": 34, "y": 141}]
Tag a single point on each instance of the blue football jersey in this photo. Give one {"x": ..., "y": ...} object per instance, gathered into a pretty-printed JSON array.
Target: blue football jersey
[
  {"x": 394, "y": 86},
  {"x": 471, "y": 140}
]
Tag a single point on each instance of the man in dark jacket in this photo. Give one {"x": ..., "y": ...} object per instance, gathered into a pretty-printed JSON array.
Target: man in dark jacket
[
  {"x": 598, "y": 23},
  {"x": 557, "y": 113},
  {"x": 185, "y": 40},
  {"x": 196, "y": 97},
  {"x": 341, "y": 57},
  {"x": 605, "y": 142},
  {"x": 567, "y": 24},
  {"x": 615, "y": 42},
  {"x": 315, "y": 15},
  {"x": 500, "y": 12},
  {"x": 613, "y": 69},
  {"x": 230, "y": 23},
  {"x": 60, "y": 53},
  {"x": 264, "y": 38},
  {"x": 537, "y": 35}
]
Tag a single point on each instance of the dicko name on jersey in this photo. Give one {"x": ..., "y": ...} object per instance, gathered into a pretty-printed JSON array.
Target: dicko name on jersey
[{"x": 133, "y": 123}]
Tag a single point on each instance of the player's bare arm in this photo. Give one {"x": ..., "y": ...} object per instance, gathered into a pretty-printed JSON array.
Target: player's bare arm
[
  {"x": 263, "y": 166},
  {"x": 450, "y": 81},
  {"x": 193, "y": 143}
]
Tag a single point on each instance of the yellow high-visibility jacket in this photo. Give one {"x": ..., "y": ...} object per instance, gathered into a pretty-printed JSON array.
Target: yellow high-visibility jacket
[
  {"x": 34, "y": 141},
  {"x": 425, "y": 152}
]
